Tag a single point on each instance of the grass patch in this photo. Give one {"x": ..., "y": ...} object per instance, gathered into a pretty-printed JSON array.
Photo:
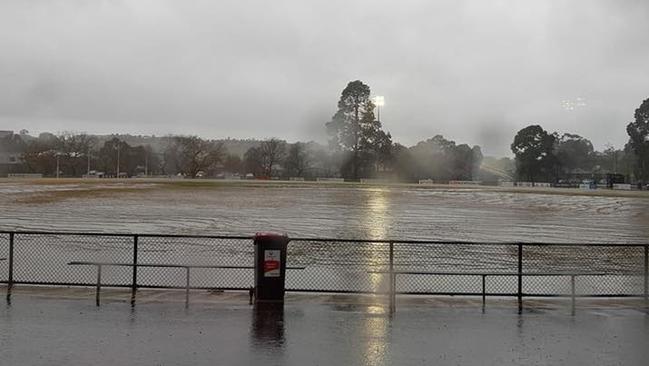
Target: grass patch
[
  {"x": 112, "y": 186},
  {"x": 57, "y": 196},
  {"x": 578, "y": 192}
]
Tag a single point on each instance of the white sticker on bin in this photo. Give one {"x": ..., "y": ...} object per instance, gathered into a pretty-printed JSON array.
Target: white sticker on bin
[{"x": 272, "y": 262}]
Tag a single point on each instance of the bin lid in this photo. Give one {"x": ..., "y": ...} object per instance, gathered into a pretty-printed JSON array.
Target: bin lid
[{"x": 270, "y": 235}]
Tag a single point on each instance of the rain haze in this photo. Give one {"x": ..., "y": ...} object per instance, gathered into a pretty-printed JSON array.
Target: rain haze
[
  {"x": 345, "y": 182},
  {"x": 473, "y": 71}
]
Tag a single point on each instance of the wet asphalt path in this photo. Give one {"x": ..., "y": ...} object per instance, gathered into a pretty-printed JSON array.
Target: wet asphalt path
[{"x": 55, "y": 331}]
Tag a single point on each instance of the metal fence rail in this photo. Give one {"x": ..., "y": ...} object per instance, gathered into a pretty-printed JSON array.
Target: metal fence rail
[{"x": 328, "y": 265}]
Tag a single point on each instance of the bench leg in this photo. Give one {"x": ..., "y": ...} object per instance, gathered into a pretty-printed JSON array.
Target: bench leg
[
  {"x": 98, "y": 292},
  {"x": 186, "y": 287}
]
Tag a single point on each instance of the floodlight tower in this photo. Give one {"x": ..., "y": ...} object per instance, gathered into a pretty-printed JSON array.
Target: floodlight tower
[
  {"x": 379, "y": 101},
  {"x": 117, "y": 167}
]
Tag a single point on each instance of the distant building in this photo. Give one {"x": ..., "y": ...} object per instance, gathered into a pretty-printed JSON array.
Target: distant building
[
  {"x": 8, "y": 158},
  {"x": 11, "y": 150}
]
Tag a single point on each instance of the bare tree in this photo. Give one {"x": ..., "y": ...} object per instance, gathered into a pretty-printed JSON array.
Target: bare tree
[
  {"x": 170, "y": 164},
  {"x": 74, "y": 150},
  {"x": 253, "y": 162},
  {"x": 297, "y": 160},
  {"x": 271, "y": 152},
  {"x": 233, "y": 164},
  {"x": 196, "y": 155}
]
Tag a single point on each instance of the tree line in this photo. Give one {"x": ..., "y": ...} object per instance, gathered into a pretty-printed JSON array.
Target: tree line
[
  {"x": 542, "y": 156},
  {"x": 191, "y": 156},
  {"x": 358, "y": 148}
]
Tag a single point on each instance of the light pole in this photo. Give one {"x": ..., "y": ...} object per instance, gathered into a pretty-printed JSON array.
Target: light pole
[
  {"x": 379, "y": 101},
  {"x": 57, "y": 164},
  {"x": 117, "y": 168},
  {"x": 610, "y": 147}
]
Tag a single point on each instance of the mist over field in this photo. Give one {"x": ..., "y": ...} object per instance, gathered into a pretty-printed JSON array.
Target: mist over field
[{"x": 344, "y": 182}]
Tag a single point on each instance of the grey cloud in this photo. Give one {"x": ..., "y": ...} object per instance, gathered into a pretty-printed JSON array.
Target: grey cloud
[{"x": 474, "y": 71}]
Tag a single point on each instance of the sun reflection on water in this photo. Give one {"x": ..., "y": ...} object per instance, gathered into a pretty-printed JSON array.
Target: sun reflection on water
[
  {"x": 376, "y": 225},
  {"x": 375, "y": 222}
]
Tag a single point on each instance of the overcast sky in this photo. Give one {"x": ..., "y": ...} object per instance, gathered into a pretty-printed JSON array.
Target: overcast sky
[{"x": 474, "y": 71}]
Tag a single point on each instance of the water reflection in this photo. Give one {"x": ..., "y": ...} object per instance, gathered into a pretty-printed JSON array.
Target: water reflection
[
  {"x": 267, "y": 330},
  {"x": 375, "y": 327},
  {"x": 376, "y": 334},
  {"x": 371, "y": 333},
  {"x": 376, "y": 223}
]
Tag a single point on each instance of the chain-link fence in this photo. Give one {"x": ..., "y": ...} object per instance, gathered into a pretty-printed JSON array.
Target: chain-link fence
[
  {"x": 337, "y": 265},
  {"x": 46, "y": 258},
  {"x": 327, "y": 265},
  {"x": 601, "y": 270},
  {"x": 216, "y": 262},
  {"x": 490, "y": 269},
  {"x": 4, "y": 256}
]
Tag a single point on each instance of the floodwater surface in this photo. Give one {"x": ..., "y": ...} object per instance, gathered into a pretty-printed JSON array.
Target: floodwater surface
[{"x": 322, "y": 210}]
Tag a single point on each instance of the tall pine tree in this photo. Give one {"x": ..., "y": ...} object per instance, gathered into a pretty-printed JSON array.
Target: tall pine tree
[{"x": 354, "y": 129}]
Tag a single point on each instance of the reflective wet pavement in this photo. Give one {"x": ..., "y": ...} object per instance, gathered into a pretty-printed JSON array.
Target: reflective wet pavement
[{"x": 38, "y": 329}]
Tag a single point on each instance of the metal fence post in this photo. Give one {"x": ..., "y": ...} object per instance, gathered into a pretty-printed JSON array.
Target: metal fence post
[
  {"x": 520, "y": 278},
  {"x": 186, "y": 287},
  {"x": 646, "y": 275},
  {"x": 392, "y": 279},
  {"x": 484, "y": 292},
  {"x": 134, "y": 283},
  {"x": 10, "y": 279},
  {"x": 572, "y": 293},
  {"x": 98, "y": 290}
]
